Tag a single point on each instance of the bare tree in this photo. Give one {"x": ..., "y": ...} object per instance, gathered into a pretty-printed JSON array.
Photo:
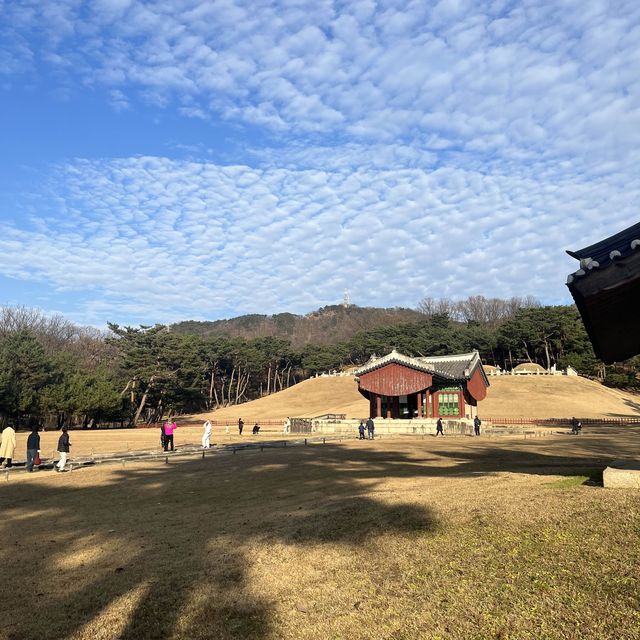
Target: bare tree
[
  {"x": 476, "y": 309},
  {"x": 437, "y": 307}
]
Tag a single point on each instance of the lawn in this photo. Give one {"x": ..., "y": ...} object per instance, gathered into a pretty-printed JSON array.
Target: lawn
[{"x": 401, "y": 538}]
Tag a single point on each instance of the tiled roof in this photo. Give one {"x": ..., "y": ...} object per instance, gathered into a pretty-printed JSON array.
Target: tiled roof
[
  {"x": 375, "y": 363},
  {"x": 455, "y": 367},
  {"x": 604, "y": 253}
]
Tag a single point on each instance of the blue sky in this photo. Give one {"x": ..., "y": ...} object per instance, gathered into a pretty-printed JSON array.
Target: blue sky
[{"x": 181, "y": 159}]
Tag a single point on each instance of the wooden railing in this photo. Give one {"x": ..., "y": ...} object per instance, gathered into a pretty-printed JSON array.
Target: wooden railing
[{"x": 559, "y": 421}]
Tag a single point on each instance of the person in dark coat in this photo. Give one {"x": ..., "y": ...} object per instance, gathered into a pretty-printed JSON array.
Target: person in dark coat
[
  {"x": 33, "y": 446},
  {"x": 163, "y": 437},
  {"x": 576, "y": 426},
  {"x": 439, "y": 429},
  {"x": 476, "y": 425},
  {"x": 63, "y": 449},
  {"x": 370, "y": 428},
  {"x": 361, "y": 429},
  {"x": 240, "y": 425},
  {"x": 256, "y": 429}
]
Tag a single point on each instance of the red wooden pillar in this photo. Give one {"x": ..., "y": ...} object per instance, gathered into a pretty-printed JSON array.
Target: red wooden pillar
[
  {"x": 461, "y": 404},
  {"x": 378, "y": 406},
  {"x": 426, "y": 407},
  {"x": 419, "y": 404}
]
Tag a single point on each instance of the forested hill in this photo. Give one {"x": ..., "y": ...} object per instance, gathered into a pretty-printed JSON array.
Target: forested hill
[
  {"x": 328, "y": 325},
  {"x": 56, "y": 373}
]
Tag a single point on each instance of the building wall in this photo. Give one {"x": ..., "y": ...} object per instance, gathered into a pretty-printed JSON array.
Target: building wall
[
  {"x": 395, "y": 380},
  {"x": 476, "y": 386}
]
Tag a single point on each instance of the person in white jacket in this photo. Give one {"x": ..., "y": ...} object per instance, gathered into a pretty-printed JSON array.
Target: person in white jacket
[
  {"x": 7, "y": 445},
  {"x": 206, "y": 436}
]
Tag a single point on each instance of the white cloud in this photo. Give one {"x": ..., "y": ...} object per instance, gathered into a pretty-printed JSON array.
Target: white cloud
[
  {"x": 154, "y": 239},
  {"x": 541, "y": 77}
]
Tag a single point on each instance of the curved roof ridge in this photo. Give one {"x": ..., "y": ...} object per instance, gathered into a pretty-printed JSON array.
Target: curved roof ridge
[
  {"x": 454, "y": 356},
  {"x": 434, "y": 364}
]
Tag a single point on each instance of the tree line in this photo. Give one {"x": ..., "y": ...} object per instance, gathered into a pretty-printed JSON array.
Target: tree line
[{"x": 56, "y": 373}]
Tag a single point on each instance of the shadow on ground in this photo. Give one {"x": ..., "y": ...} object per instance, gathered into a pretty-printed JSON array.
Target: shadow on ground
[
  {"x": 161, "y": 552},
  {"x": 166, "y": 551}
]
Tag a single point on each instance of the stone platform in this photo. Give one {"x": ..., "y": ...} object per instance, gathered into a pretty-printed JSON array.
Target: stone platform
[{"x": 622, "y": 474}]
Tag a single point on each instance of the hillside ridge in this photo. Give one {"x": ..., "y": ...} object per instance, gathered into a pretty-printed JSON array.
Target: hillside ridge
[{"x": 327, "y": 325}]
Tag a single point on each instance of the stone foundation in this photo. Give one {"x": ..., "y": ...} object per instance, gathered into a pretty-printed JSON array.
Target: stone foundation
[
  {"x": 390, "y": 426},
  {"x": 622, "y": 474}
]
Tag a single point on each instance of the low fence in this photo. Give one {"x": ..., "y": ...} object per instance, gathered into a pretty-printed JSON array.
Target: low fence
[
  {"x": 265, "y": 425},
  {"x": 553, "y": 422}
]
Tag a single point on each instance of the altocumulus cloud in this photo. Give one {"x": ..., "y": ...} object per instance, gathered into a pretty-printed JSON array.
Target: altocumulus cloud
[
  {"x": 157, "y": 239},
  {"x": 408, "y": 148},
  {"x": 526, "y": 79}
]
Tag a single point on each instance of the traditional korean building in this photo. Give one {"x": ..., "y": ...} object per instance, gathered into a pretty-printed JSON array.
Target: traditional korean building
[
  {"x": 606, "y": 289},
  {"x": 399, "y": 386}
]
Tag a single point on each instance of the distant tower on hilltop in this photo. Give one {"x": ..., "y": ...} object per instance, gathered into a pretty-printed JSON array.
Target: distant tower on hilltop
[{"x": 346, "y": 301}]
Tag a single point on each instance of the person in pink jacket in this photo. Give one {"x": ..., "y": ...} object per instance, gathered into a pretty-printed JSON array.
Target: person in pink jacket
[{"x": 169, "y": 427}]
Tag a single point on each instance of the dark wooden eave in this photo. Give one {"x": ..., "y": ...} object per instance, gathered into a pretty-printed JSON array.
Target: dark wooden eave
[{"x": 606, "y": 290}]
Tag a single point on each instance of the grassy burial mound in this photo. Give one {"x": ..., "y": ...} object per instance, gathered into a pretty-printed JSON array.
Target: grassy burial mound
[
  {"x": 508, "y": 396},
  {"x": 313, "y": 397},
  {"x": 556, "y": 397},
  {"x": 399, "y": 539}
]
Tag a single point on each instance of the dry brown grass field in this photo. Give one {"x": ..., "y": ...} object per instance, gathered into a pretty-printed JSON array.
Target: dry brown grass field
[
  {"x": 508, "y": 396},
  {"x": 400, "y": 538}
]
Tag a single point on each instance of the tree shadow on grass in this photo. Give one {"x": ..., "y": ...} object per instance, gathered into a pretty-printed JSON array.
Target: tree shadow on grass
[
  {"x": 161, "y": 552},
  {"x": 165, "y": 551},
  {"x": 634, "y": 406},
  {"x": 565, "y": 455}
]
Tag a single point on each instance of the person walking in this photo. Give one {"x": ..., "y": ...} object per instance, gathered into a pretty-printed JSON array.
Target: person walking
[
  {"x": 33, "y": 447},
  {"x": 476, "y": 425},
  {"x": 439, "y": 429},
  {"x": 240, "y": 425},
  {"x": 169, "y": 427},
  {"x": 163, "y": 437},
  {"x": 361, "y": 429},
  {"x": 206, "y": 436},
  {"x": 370, "y": 428},
  {"x": 7, "y": 445},
  {"x": 63, "y": 449}
]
